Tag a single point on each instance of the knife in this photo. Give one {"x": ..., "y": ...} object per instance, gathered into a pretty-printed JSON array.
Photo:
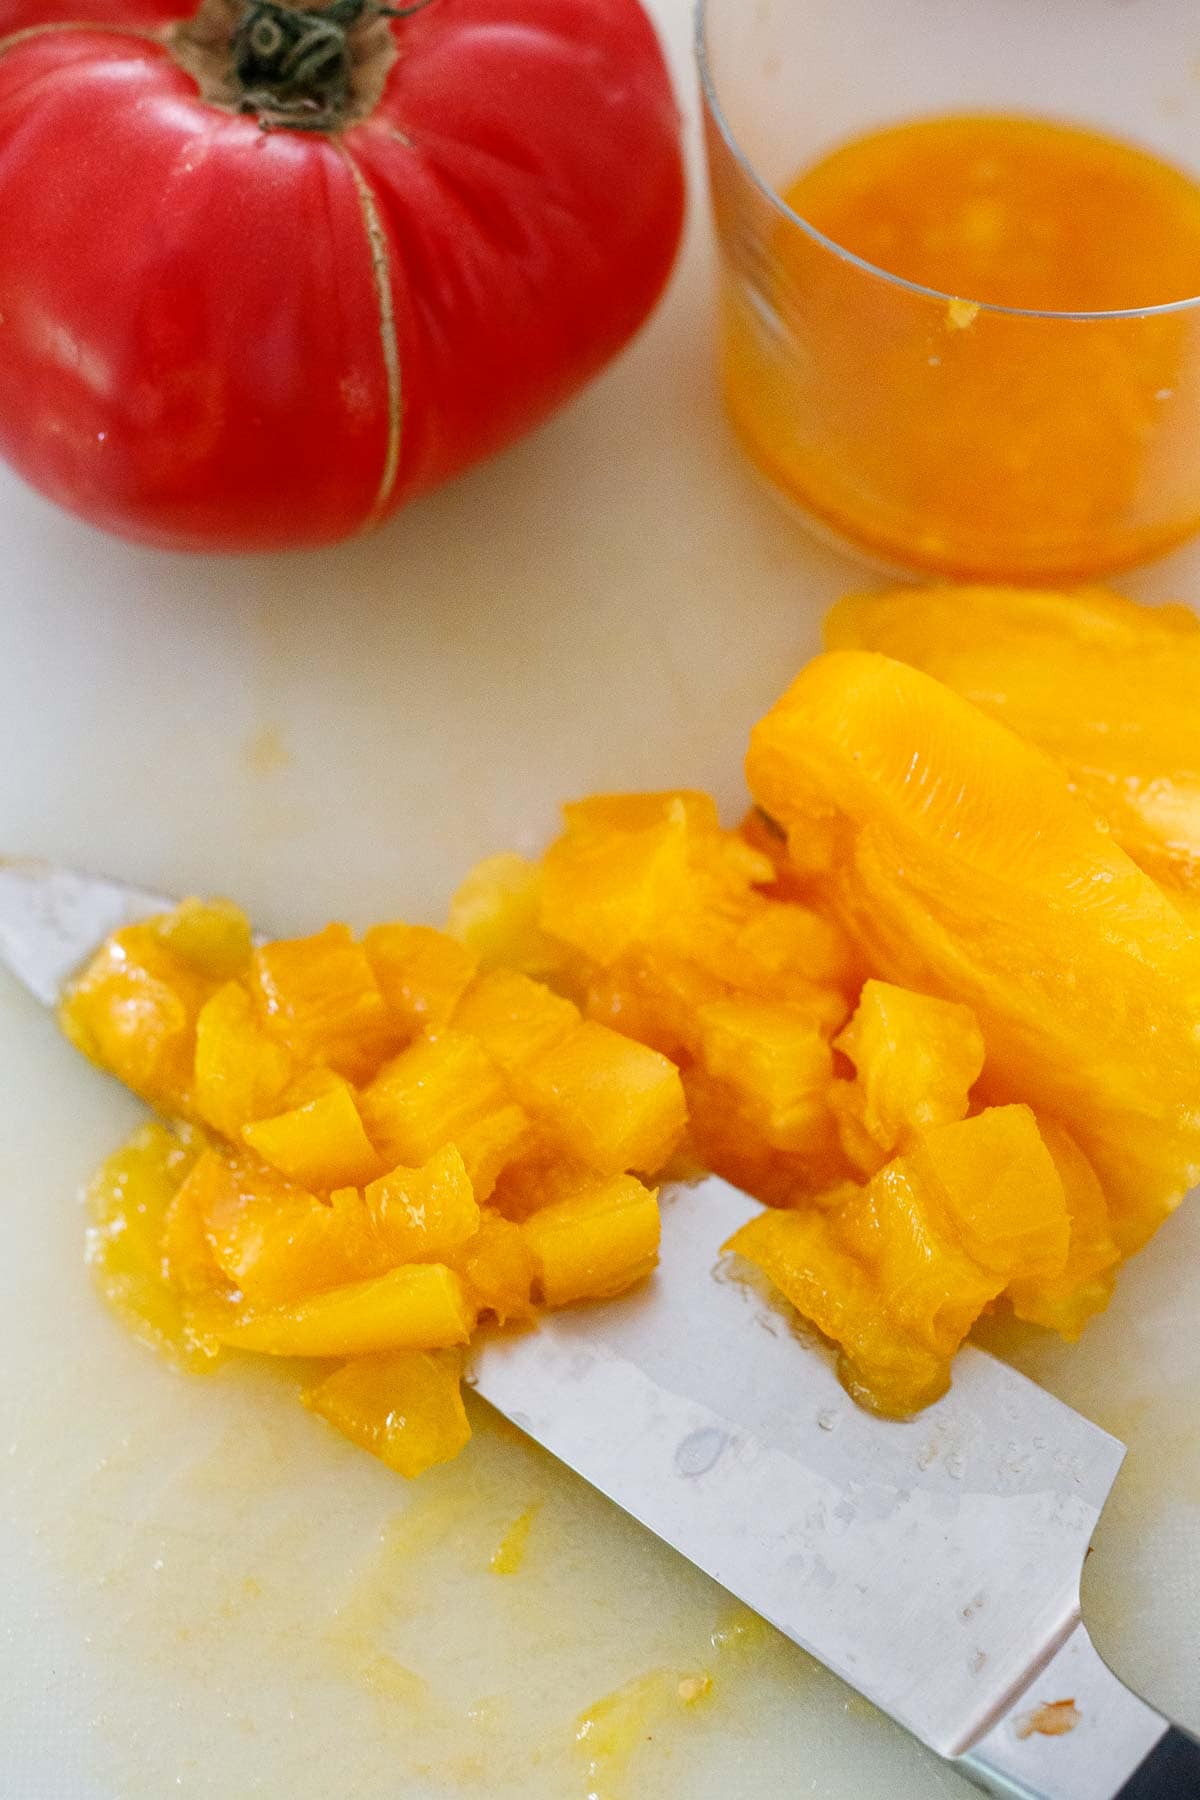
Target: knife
[{"x": 933, "y": 1564}]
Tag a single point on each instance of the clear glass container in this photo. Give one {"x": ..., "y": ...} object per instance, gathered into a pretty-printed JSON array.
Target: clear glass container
[{"x": 934, "y": 431}]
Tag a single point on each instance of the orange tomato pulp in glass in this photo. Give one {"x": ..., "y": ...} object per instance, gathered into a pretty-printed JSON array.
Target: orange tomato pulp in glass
[{"x": 941, "y": 434}]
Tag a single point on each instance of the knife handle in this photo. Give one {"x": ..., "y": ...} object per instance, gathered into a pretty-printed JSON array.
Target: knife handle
[
  {"x": 1078, "y": 1733},
  {"x": 1170, "y": 1772}
]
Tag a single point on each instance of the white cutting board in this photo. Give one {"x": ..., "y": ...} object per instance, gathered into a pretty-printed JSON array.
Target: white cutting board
[{"x": 205, "y": 1592}]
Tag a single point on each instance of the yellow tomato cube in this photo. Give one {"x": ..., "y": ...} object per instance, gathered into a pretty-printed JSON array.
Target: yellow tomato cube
[
  {"x": 496, "y": 914},
  {"x": 277, "y": 1244},
  {"x": 776, "y": 1062},
  {"x": 607, "y": 1101},
  {"x": 128, "y": 1204},
  {"x": 430, "y": 1094},
  {"x": 604, "y": 891},
  {"x": 212, "y": 935},
  {"x": 1000, "y": 1189},
  {"x": 422, "y": 973},
  {"x": 308, "y": 1085},
  {"x": 916, "y": 1059},
  {"x": 600, "y": 815},
  {"x": 898, "y": 1271},
  {"x": 133, "y": 1010},
  {"x": 883, "y": 1366},
  {"x": 188, "y": 1263},
  {"x": 421, "y": 1306},
  {"x": 424, "y": 1214},
  {"x": 320, "y": 997},
  {"x": 272, "y": 1242},
  {"x": 321, "y": 1144},
  {"x": 514, "y": 1018},
  {"x": 655, "y": 997},
  {"x": 770, "y": 948},
  {"x": 404, "y": 1406},
  {"x": 724, "y": 1138},
  {"x": 240, "y": 1070},
  {"x": 537, "y": 1179},
  {"x": 595, "y": 1243},
  {"x": 927, "y": 1282},
  {"x": 490, "y": 1144},
  {"x": 1066, "y": 1300},
  {"x": 497, "y": 1266}
]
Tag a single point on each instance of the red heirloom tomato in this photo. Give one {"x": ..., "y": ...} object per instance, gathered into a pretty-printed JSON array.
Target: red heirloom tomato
[{"x": 267, "y": 273}]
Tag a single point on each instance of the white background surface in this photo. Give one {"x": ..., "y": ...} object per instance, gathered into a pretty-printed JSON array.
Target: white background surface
[{"x": 205, "y": 1592}]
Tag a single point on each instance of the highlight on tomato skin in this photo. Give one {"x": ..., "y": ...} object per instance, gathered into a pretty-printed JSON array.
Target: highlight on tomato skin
[{"x": 255, "y": 312}]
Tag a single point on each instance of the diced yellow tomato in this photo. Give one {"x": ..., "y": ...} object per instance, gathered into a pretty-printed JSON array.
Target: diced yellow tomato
[
  {"x": 277, "y": 1244},
  {"x": 446, "y": 1090},
  {"x": 726, "y": 1139},
  {"x": 537, "y": 1179},
  {"x": 626, "y": 834},
  {"x": 271, "y": 1241},
  {"x": 883, "y": 1366},
  {"x": 133, "y": 1010},
  {"x": 430, "y": 1095},
  {"x": 128, "y": 1203},
  {"x": 654, "y": 997},
  {"x": 898, "y": 1271},
  {"x": 310, "y": 1084},
  {"x": 424, "y": 1214},
  {"x": 212, "y": 935},
  {"x": 606, "y": 886},
  {"x": 420, "y": 1306},
  {"x": 320, "y": 997},
  {"x": 496, "y": 914},
  {"x": 600, "y": 815},
  {"x": 404, "y": 1406},
  {"x": 916, "y": 1059},
  {"x": 497, "y": 1266},
  {"x": 489, "y": 1144},
  {"x": 417, "y": 1130},
  {"x": 660, "y": 909},
  {"x": 422, "y": 973},
  {"x": 609, "y": 1102},
  {"x": 241, "y": 1071},
  {"x": 655, "y": 873},
  {"x": 999, "y": 1186},
  {"x": 775, "y": 1061},
  {"x": 596, "y": 1242},
  {"x": 189, "y": 1265},
  {"x": 771, "y": 949},
  {"x": 963, "y": 864},
  {"x": 1067, "y": 1300},
  {"x": 760, "y": 831},
  {"x": 320, "y": 1144},
  {"x": 513, "y": 1017}
]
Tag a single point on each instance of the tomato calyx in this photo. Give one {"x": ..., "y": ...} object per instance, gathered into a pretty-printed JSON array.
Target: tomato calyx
[{"x": 294, "y": 67}]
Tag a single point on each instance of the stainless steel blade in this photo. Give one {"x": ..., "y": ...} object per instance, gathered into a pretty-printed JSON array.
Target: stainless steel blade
[
  {"x": 933, "y": 1564},
  {"x": 52, "y": 918}
]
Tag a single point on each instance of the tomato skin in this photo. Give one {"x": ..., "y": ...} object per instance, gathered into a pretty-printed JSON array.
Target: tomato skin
[{"x": 214, "y": 337}]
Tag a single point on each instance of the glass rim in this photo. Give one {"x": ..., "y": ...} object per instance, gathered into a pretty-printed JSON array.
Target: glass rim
[{"x": 775, "y": 199}]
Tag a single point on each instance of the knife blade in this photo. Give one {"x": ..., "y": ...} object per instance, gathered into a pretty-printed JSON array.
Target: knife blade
[{"x": 934, "y": 1564}]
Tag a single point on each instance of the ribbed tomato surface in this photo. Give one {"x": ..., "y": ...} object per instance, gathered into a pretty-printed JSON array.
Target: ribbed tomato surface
[{"x": 216, "y": 336}]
